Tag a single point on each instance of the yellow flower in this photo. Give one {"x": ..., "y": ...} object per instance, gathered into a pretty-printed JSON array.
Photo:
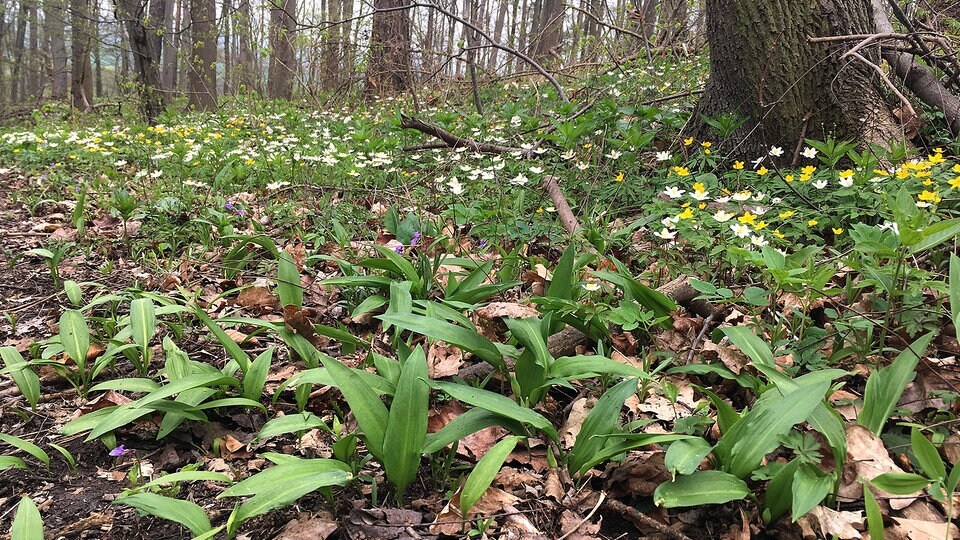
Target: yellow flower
[
  {"x": 686, "y": 214},
  {"x": 788, "y": 178},
  {"x": 681, "y": 171},
  {"x": 249, "y": 161},
  {"x": 809, "y": 169},
  {"x": 760, "y": 225},
  {"x": 706, "y": 144},
  {"x": 929, "y": 196},
  {"x": 706, "y": 152},
  {"x": 786, "y": 213},
  {"x": 540, "y": 210},
  {"x": 837, "y": 230},
  {"x": 927, "y": 182},
  {"x": 702, "y": 205},
  {"x": 619, "y": 177},
  {"x": 747, "y": 218},
  {"x": 955, "y": 183},
  {"x": 812, "y": 222},
  {"x": 956, "y": 168},
  {"x": 738, "y": 165},
  {"x": 699, "y": 187},
  {"x": 804, "y": 177},
  {"x": 846, "y": 174},
  {"x": 762, "y": 171},
  {"x": 935, "y": 158},
  {"x": 777, "y": 233},
  {"x": 688, "y": 141},
  {"x": 903, "y": 173}
]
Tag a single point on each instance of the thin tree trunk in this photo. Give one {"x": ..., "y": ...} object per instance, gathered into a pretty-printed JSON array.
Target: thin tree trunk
[
  {"x": 146, "y": 52},
  {"x": 226, "y": 14},
  {"x": 388, "y": 68},
  {"x": 203, "y": 55},
  {"x": 54, "y": 17},
  {"x": 97, "y": 63},
  {"x": 282, "y": 60},
  {"x": 169, "y": 46},
  {"x": 81, "y": 72},
  {"x": 247, "y": 74},
  {"x": 497, "y": 35},
  {"x": 19, "y": 44},
  {"x": 34, "y": 75}
]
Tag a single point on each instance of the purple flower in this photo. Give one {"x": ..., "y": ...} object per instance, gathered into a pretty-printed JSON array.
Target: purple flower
[
  {"x": 482, "y": 243},
  {"x": 399, "y": 248},
  {"x": 118, "y": 451},
  {"x": 415, "y": 238}
]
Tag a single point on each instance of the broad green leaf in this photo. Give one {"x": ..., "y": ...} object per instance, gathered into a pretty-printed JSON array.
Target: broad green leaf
[
  {"x": 528, "y": 333},
  {"x": 484, "y": 472},
  {"x": 810, "y": 487},
  {"x": 291, "y": 423},
  {"x": 684, "y": 456},
  {"x": 74, "y": 293},
  {"x": 628, "y": 441},
  {"x": 75, "y": 337},
  {"x": 26, "y": 446},
  {"x": 927, "y": 456},
  {"x": 256, "y": 377},
  {"x": 603, "y": 419},
  {"x": 954, "y": 292},
  {"x": 727, "y": 416},
  {"x": 778, "y": 498},
  {"x": 886, "y": 385},
  {"x": 26, "y": 380},
  {"x": 936, "y": 234},
  {"x": 464, "y": 338},
  {"x": 750, "y": 344},
  {"x": 364, "y": 403},
  {"x": 874, "y": 515},
  {"x": 467, "y": 423},
  {"x": 498, "y": 404},
  {"x": 701, "y": 487},
  {"x": 186, "y": 513},
  {"x": 322, "y": 377},
  {"x": 582, "y": 367},
  {"x": 186, "y": 476},
  {"x": 284, "y": 483},
  {"x": 12, "y": 462},
  {"x": 743, "y": 447},
  {"x": 237, "y": 353},
  {"x": 133, "y": 384},
  {"x": 407, "y": 422},
  {"x": 27, "y": 523},
  {"x": 561, "y": 286},
  {"x": 401, "y": 302},
  {"x": 900, "y": 483},
  {"x": 143, "y": 321},
  {"x": 289, "y": 289}
]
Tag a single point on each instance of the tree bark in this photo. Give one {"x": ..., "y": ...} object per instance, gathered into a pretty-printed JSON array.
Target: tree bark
[
  {"x": 54, "y": 19},
  {"x": 203, "y": 55},
  {"x": 282, "y": 66},
  {"x": 81, "y": 71},
  {"x": 145, "y": 46},
  {"x": 388, "y": 70},
  {"x": 226, "y": 14},
  {"x": 548, "y": 31},
  {"x": 764, "y": 69},
  {"x": 247, "y": 74},
  {"x": 169, "y": 46}
]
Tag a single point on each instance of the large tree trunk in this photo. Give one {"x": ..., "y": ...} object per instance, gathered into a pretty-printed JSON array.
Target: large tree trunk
[
  {"x": 764, "y": 69},
  {"x": 145, "y": 46},
  {"x": 282, "y": 65},
  {"x": 81, "y": 71},
  {"x": 247, "y": 74},
  {"x": 388, "y": 68},
  {"x": 169, "y": 46},
  {"x": 549, "y": 30},
  {"x": 203, "y": 55},
  {"x": 54, "y": 23}
]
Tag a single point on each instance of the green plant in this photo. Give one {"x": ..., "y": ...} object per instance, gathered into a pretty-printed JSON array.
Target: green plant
[
  {"x": 52, "y": 255},
  {"x": 27, "y": 523}
]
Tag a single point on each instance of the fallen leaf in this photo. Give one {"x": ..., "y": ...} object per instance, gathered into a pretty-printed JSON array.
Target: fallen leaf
[
  {"x": 257, "y": 298},
  {"x": 316, "y": 527},
  {"x": 575, "y": 528},
  {"x": 913, "y": 529},
  {"x": 571, "y": 426},
  {"x": 444, "y": 360},
  {"x": 838, "y": 524},
  {"x": 868, "y": 458},
  {"x": 509, "y": 310}
]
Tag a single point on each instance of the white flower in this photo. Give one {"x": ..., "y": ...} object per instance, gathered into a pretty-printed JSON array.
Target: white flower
[
  {"x": 723, "y": 215},
  {"x": 741, "y": 196},
  {"x": 890, "y": 225},
  {"x": 722, "y": 200},
  {"x": 756, "y": 163},
  {"x": 820, "y": 184},
  {"x": 666, "y": 234},
  {"x": 846, "y": 182},
  {"x": 740, "y": 229},
  {"x": 455, "y": 186},
  {"x": 273, "y": 186},
  {"x": 923, "y": 204},
  {"x": 663, "y": 156},
  {"x": 519, "y": 180},
  {"x": 759, "y": 196},
  {"x": 591, "y": 286},
  {"x": 120, "y": 163},
  {"x": 700, "y": 195},
  {"x": 536, "y": 170},
  {"x": 670, "y": 221},
  {"x": 568, "y": 155},
  {"x": 515, "y": 121},
  {"x": 809, "y": 152},
  {"x": 583, "y": 166},
  {"x": 776, "y": 151},
  {"x": 614, "y": 154},
  {"x": 674, "y": 192},
  {"x": 758, "y": 240}
]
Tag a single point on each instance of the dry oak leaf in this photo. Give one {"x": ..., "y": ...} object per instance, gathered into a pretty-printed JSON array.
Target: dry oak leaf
[
  {"x": 832, "y": 523},
  {"x": 868, "y": 458},
  {"x": 573, "y": 529},
  {"x": 257, "y": 297},
  {"x": 509, "y": 310},
  {"x": 912, "y": 529},
  {"x": 571, "y": 426},
  {"x": 317, "y": 527},
  {"x": 444, "y": 360}
]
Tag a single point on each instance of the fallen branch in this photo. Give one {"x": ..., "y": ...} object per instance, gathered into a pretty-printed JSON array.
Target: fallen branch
[
  {"x": 552, "y": 188},
  {"x": 455, "y": 141},
  {"x": 639, "y": 519}
]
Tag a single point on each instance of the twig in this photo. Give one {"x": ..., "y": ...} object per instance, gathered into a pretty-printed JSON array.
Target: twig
[
  {"x": 552, "y": 188},
  {"x": 638, "y": 519},
  {"x": 456, "y": 141},
  {"x": 703, "y": 332},
  {"x": 883, "y": 76},
  {"x": 603, "y": 497}
]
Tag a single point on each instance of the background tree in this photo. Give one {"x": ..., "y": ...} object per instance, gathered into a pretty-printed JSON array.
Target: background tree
[
  {"x": 388, "y": 68},
  {"x": 202, "y": 72},
  {"x": 81, "y": 40},
  {"x": 145, "y": 46},
  {"x": 282, "y": 65},
  {"x": 765, "y": 70}
]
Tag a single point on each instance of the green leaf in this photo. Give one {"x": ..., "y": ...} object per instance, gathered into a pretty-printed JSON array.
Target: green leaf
[
  {"x": 464, "y": 338},
  {"x": 74, "y": 293},
  {"x": 143, "y": 321},
  {"x": 684, "y": 456},
  {"x": 582, "y": 367},
  {"x": 498, "y": 404},
  {"x": 900, "y": 483},
  {"x": 528, "y": 332},
  {"x": 701, "y": 487},
  {"x": 238, "y": 354},
  {"x": 936, "y": 234},
  {"x": 886, "y": 385},
  {"x": 186, "y": 476},
  {"x": 256, "y": 377},
  {"x": 75, "y": 337},
  {"x": 484, "y": 473},
  {"x": 289, "y": 289},
  {"x": 778, "y": 498},
  {"x": 133, "y": 384},
  {"x": 467, "y": 423},
  {"x": 26, "y": 446},
  {"x": 561, "y": 286},
  {"x": 810, "y": 487},
  {"x": 874, "y": 516},
  {"x": 186, "y": 513},
  {"x": 365, "y": 404},
  {"x": 284, "y": 483},
  {"x": 927, "y": 456},
  {"x": 750, "y": 344},
  {"x": 11, "y": 462},
  {"x": 603, "y": 419},
  {"x": 955, "y": 292},
  {"x": 27, "y": 523},
  {"x": 26, "y": 380},
  {"x": 291, "y": 423},
  {"x": 407, "y": 422},
  {"x": 743, "y": 447}
]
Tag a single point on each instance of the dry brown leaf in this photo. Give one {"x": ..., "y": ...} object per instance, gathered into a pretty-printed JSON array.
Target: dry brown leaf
[
  {"x": 571, "y": 426},
  {"x": 867, "y": 458},
  {"x": 570, "y": 525},
  {"x": 509, "y": 478},
  {"x": 912, "y": 529},
  {"x": 317, "y": 527},
  {"x": 509, "y": 310},
  {"x": 845, "y": 525},
  {"x": 444, "y": 360},
  {"x": 257, "y": 298},
  {"x": 517, "y": 525},
  {"x": 474, "y": 445},
  {"x": 553, "y": 485},
  {"x": 637, "y": 476},
  {"x": 240, "y": 338}
]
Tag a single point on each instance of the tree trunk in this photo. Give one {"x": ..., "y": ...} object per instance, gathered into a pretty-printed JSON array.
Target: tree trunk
[
  {"x": 282, "y": 62},
  {"x": 226, "y": 14},
  {"x": 246, "y": 74},
  {"x": 97, "y": 64},
  {"x": 170, "y": 46},
  {"x": 388, "y": 70},
  {"x": 497, "y": 35},
  {"x": 549, "y": 30},
  {"x": 54, "y": 20},
  {"x": 203, "y": 55},
  {"x": 81, "y": 72},
  {"x": 764, "y": 70},
  {"x": 34, "y": 75},
  {"x": 674, "y": 19},
  {"x": 333, "y": 47},
  {"x": 146, "y": 52}
]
